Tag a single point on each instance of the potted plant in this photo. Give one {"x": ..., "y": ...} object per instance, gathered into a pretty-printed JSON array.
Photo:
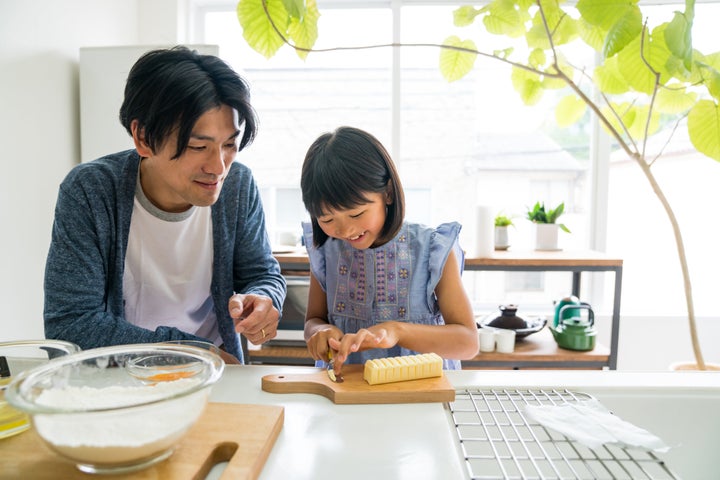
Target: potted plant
[
  {"x": 502, "y": 237},
  {"x": 546, "y": 228},
  {"x": 643, "y": 74}
]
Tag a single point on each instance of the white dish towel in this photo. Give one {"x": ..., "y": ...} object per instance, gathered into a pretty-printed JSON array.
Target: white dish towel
[{"x": 591, "y": 424}]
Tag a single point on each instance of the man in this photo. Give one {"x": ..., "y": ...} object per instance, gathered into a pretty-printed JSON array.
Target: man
[{"x": 151, "y": 244}]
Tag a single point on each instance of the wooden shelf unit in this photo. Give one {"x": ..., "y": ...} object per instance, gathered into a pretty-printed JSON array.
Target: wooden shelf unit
[{"x": 535, "y": 351}]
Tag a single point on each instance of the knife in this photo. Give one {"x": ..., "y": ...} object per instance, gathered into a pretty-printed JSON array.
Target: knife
[{"x": 331, "y": 369}]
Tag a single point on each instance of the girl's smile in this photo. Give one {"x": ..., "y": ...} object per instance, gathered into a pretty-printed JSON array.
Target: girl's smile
[
  {"x": 356, "y": 237},
  {"x": 359, "y": 226}
]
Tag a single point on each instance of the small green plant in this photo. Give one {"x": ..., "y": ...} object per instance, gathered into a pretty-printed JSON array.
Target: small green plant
[
  {"x": 503, "y": 221},
  {"x": 538, "y": 214}
]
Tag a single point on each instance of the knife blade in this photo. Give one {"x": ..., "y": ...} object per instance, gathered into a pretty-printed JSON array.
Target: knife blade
[{"x": 331, "y": 369}]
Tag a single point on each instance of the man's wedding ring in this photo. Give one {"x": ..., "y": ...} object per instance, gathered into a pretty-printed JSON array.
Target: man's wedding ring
[{"x": 263, "y": 332}]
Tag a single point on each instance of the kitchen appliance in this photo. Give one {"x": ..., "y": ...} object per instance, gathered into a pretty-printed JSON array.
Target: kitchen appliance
[
  {"x": 575, "y": 333},
  {"x": 292, "y": 323}
]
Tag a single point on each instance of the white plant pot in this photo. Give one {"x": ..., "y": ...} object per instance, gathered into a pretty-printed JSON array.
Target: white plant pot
[
  {"x": 502, "y": 238},
  {"x": 546, "y": 236}
]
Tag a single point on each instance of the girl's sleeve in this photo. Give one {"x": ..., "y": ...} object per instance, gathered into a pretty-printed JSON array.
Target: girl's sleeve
[
  {"x": 316, "y": 256},
  {"x": 442, "y": 241}
]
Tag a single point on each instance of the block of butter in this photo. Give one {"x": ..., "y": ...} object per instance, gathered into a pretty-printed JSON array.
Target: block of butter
[{"x": 400, "y": 369}]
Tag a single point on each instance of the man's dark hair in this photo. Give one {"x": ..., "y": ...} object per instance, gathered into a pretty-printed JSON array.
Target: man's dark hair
[{"x": 169, "y": 89}]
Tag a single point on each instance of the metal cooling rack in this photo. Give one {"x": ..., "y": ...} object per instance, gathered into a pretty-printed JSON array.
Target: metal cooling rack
[{"x": 499, "y": 442}]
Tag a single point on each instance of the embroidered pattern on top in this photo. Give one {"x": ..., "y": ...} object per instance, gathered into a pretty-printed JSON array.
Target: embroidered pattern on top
[{"x": 391, "y": 266}]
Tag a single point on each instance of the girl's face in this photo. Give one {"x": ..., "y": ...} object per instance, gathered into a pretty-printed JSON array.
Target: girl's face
[{"x": 359, "y": 226}]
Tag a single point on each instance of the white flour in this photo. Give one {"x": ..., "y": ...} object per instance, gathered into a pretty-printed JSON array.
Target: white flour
[{"x": 141, "y": 426}]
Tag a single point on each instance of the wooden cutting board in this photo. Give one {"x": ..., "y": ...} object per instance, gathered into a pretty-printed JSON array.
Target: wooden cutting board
[
  {"x": 241, "y": 435},
  {"x": 354, "y": 389}
]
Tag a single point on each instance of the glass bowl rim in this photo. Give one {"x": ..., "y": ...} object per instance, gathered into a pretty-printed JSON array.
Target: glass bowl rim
[
  {"x": 18, "y": 387},
  {"x": 48, "y": 342}
]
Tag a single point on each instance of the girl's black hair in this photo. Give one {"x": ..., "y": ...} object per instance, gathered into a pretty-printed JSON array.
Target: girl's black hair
[
  {"x": 340, "y": 169},
  {"x": 169, "y": 89}
]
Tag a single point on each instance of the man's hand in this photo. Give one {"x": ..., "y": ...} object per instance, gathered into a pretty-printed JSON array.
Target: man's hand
[{"x": 255, "y": 317}]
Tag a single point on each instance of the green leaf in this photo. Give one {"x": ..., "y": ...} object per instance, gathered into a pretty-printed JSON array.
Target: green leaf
[
  {"x": 562, "y": 27},
  {"x": 569, "y": 110},
  {"x": 637, "y": 69},
  {"x": 537, "y": 58},
  {"x": 503, "y": 221},
  {"x": 553, "y": 83},
  {"x": 505, "y": 53},
  {"x": 295, "y": 8},
  {"x": 455, "y": 64},
  {"x": 538, "y": 214},
  {"x": 706, "y": 70},
  {"x": 503, "y": 19},
  {"x": 678, "y": 37},
  {"x": 536, "y": 37},
  {"x": 258, "y": 32},
  {"x": 622, "y": 32},
  {"x": 565, "y": 31},
  {"x": 465, "y": 15},
  {"x": 623, "y": 110},
  {"x": 673, "y": 99},
  {"x": 304, "y": 31},
  {"x": 608, "y": 78},
  {"x": 639, "y": 113},
  {"x": 527, "y": 84},
  {"x": 606, "y": 13},
  {"x": 553, "y": 215},
  {"x": 704, "y": 128},
  {"x": 712, "y": 60},
  {"x": 593, "y": 35},
  {"x": 713, "y": 83}
]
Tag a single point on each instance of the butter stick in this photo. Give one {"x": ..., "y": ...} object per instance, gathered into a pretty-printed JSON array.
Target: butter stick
[{"x": 400, "y": 369}]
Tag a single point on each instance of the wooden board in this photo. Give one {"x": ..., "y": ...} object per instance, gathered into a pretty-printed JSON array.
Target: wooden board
[
  {"x": 241, "y": 435},
  {"x": 355, "y": 390}
]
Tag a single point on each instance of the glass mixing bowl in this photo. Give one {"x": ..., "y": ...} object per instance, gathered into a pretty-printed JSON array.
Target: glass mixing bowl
[
  {"x": 16, "y": 357},
  {"x": 117, "y": 409}
]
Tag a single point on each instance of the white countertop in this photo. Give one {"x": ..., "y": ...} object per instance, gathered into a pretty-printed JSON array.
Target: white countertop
[{"x": 321, "y": 440}]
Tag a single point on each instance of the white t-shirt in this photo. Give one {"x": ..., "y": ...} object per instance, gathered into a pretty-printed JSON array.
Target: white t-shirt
[{"x": 168, "y": 269}]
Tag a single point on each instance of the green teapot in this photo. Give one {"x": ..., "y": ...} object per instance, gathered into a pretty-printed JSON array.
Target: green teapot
[
  {"x": 575, "y": 333},
  {"x": 571, "y": 300}
]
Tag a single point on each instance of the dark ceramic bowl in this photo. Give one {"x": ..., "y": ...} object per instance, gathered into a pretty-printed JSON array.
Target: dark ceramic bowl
[{"x": 509, "y": 321}]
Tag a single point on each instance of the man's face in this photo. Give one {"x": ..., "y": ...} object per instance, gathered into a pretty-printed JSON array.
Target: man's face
[{"x": 196, "y": 177}]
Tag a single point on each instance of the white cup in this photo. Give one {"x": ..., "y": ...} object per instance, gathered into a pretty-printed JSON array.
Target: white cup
[
  {"x": 487, "y": 339},
  {"x": 505, "y": 340}
]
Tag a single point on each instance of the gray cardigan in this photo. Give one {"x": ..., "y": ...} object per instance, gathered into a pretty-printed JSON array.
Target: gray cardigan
[{"x": 84, "y": 270}]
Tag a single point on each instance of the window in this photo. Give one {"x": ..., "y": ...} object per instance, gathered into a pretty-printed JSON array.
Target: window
[{"x": 472, "y": 142}]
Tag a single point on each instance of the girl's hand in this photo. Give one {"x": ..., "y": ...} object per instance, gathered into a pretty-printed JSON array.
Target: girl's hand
[
  {"x": 318, "y": 343},
  {"x": 377, "y": 336}
]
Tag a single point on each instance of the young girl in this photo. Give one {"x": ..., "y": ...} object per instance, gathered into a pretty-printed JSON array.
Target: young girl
[{"x": 379, "y": 286}]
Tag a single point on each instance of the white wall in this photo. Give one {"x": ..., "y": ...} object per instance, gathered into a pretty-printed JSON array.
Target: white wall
[
  {"x": 39, "y": 125},
  {"x": 655, "y": 342}
]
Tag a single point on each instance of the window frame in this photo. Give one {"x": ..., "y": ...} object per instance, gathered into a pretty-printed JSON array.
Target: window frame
[{"x": 599, "y": 172}]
